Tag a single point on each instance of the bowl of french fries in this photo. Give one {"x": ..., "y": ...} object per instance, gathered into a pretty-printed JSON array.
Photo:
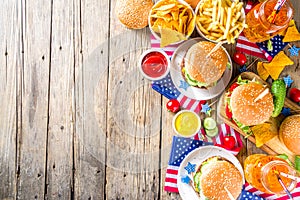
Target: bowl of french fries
[
  {"x": 171, "y": 21},
  {"x": 220, "y": 20}
]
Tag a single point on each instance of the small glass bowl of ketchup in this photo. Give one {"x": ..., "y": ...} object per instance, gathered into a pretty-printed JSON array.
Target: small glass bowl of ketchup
[{"x": 154, "y": 64}]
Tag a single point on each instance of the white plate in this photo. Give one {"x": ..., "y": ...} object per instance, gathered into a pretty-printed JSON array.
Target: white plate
[
  {"x": 195, "y": 92},
  {"x": 197, "y": 156}
]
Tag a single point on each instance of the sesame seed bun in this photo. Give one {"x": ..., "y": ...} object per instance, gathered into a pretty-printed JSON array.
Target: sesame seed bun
[
  {"x": 289, "y": 133},
  {"x": 133, "y": 14},
  {"x": 218, "y": 176},
  {"x": 245, "y": 110},
  {"x": 202, "y": 70}
]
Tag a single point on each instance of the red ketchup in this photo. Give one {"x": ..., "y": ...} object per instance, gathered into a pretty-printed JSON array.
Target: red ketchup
[{"x": 154, "y": 64}]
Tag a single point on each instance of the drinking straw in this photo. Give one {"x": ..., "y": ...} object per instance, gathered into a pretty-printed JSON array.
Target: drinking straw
[
  {"x": 275, "y": 11},
  {"x": 283, "y": 186}
]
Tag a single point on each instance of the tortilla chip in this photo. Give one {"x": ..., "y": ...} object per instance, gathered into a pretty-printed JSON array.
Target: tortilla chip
[
  {"x": 169, "y": 36},
  {"x": 292, "y": 34},
  {"x": 281, "y": 59},
  {"x": 275, "y": 67},
  {"x": 264, "y": 132},
  {"x": 262, "y": 72},
  {"x": 274, "y": 71}
]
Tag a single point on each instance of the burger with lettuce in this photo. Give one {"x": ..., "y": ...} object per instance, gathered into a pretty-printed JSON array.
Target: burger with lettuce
[
  {"x": 214, "y": 175},
  {"x": 200, "y": 70},
  {"x": 248, "y": 103}
]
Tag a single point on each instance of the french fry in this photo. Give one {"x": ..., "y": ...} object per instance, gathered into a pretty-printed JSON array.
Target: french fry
[{"x": 226, "y": 17}]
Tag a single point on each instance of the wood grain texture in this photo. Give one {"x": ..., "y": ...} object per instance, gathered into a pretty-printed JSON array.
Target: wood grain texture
[
  {"x": 61, "y": 102},
  {"x": 77, "y": 120},
  {"x": 36, "y": 30},
  {"x": 91, "y": 71},
  {"x": 10, "y": 62}
]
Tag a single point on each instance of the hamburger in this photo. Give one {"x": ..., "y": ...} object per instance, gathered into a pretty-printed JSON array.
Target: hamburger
[
  {"x": 289, "y": 133},
  {"x": 133, "y": 14},
  {"x": 243, "y": 106},
  {"x": 214, "y": 175},
  {"x": 200, "y": 71}
]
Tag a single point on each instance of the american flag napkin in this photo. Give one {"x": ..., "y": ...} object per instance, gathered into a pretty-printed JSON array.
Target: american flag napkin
[{"x": 259, "y": 49}]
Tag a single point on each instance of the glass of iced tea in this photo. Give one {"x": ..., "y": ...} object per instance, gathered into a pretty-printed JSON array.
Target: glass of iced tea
[
  {"x": 259, "y": 26},
  {"x": 270, "y": 180}
]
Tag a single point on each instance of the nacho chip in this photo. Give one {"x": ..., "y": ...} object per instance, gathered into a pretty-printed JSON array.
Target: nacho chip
[
  {"x": 274, "y": 71},
  {"x": 292, "y": 34},
  {"x": 262, "y": 72},
  {"x": 264, "y": 132},
  {"x": 281, "y": 59},
  {"x": 169, "y": 36},
  {"x": 279, "y": 62}
]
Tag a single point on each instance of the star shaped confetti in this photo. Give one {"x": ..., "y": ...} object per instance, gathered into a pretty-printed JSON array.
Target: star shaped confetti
[
  {"x": 243, "y": 69},
  {"x": 294, "y": 51},
  {"x": 190, "y": 168},
  {"x": 186, "y": 179},
  {"x": 184, "y": 85},
  {"x": 288, "y": 80},
  {"x": 286, "y": 111},
  {"x": 205, "y": 108}
]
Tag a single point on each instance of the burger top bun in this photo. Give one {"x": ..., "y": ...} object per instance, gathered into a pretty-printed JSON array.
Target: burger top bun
[
  {"x": 219, "y": 175},
  {"x": 245, "y": 110},
  {"x": 205, "y": 71},
  {"x": 289, "y": 133},
  {"x": 193, "y": 3},
  {"x": 133, "y": 13}
]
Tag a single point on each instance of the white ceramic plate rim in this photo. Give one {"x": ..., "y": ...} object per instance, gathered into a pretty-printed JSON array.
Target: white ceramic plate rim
[
  {"x": 196, "y": 157},
  {"x": 195, "y": 92}
]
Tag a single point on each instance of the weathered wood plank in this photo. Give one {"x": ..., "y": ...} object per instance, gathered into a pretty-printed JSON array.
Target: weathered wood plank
[
  {"x": 91, "y": 50},
  {"x": 10, "y": 63},
  {"x": 134, "y": 114},
  {"x": 61, "y": 102},
  {"x": 35, "y": 82}
]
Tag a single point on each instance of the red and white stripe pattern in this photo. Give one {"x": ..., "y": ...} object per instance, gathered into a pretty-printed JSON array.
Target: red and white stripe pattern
[{"x": 295, "y": 193}]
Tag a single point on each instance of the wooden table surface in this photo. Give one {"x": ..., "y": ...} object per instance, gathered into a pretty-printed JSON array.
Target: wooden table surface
[{"x": 77, "y": 119}]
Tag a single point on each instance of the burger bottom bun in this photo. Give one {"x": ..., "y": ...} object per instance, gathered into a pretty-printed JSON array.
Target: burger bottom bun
[
  {"x": 133, "y": 14},
  {"x": 218, "y": 176},
  {"x": 289, "y": 133}
]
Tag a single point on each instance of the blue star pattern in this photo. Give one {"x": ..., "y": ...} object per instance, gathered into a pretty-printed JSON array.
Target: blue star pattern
[
  {"x": 243, "y": 69},
  {"x": 277, "y": 44},
  {"x": 294, "y": 51},
  {"x": 288, "y": 80},
  {"x": 186, "y": 179},
  {"x": 205, "y": 108},
  {"x": 190, "y": 168},
  {"x": 166, "y": 87},
  {"x": 184, "y": 85},
  {"x": 181, "y": 147},
  {"x": 286, "y": 111},
  {"x": 249, "y": 196}
]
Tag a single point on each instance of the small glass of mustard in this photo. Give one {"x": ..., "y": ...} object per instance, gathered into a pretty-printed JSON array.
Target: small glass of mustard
[{"x": 186, "y": 123}]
